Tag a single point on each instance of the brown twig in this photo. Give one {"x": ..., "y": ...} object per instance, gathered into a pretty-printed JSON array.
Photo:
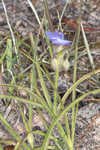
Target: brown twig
[{"x": 48, "y": 15}]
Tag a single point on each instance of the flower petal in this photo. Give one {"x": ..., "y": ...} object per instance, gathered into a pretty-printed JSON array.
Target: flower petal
[
  {"x": 57, "y": 38},
  {"x": 54, "y": 35},
  {"x": 61, "y": 42}
]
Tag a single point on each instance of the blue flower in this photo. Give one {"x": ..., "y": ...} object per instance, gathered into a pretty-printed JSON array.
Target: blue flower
[{"x": 57, "y": 38}]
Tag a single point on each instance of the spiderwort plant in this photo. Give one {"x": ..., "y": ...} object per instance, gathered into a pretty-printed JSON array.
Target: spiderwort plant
[
  {"x": 58, "y": 63},
  {"x": 57, "y": 39}
]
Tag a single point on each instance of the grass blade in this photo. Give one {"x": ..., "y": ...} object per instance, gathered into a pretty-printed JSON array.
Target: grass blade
[
  {"x": 9, "y": 54},
  {"x": 55, "y": 121},
  {"x": 87, "y": 48},
  {"x": 11, "y": 131},
  {"x": 47, "y": 96},
  {"x": 75, "y": 85}
]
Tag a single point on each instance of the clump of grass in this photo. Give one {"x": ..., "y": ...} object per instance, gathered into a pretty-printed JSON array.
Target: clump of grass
[{"x": 42, "y": 102}]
